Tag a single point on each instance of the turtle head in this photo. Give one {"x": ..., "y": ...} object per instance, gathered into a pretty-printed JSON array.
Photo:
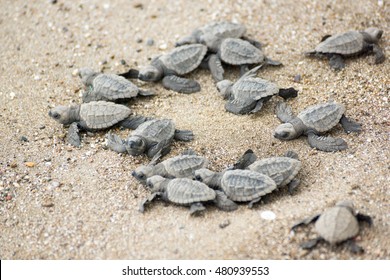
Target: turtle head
[
  {"x": 347, "y": 204},
  {"x": 155, "y": 183},
  {"x": 87, "y": 75},
  {"x": 150, "y": 73},
  {"x": 204, "y": 175},
  {"x": 373, "y": 34},
  {"x": 285, "y": 131},
  {"x": 136, "y": 145},
  {"x": 62, "y": 114},
  {"x": 142, "y": 173},
  {"x": 224, "y": 87}
]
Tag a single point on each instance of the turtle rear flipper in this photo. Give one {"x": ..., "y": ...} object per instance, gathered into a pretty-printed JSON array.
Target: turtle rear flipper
[
  {"x": 350, "y": 125},
  {"x": 223, "y": 202},
  {"x": 305, "y": 222},
  {"x": 197, "y": 208},
  {"x": 142, "y": 92},
  {"x": 215, "y": 67},
  {"x": 353, "y": 247},
  {"x": 183, "y": 135},
  {"x": 309, "y": 245},
  {"x": 283, "y": 112},
  {"x": 73, "y": 136},
  {"x": 326, "y": 144},
  {"x": 336, "y": 62},
  {"x": 131, "y": 74},
  {"x": 180, "y": 84},
  {"x": 272, "y": 62},
  {"x": 115, "y": 143}
]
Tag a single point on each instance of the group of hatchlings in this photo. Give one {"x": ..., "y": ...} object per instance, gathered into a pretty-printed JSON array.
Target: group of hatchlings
[{"x": 185, "y": 179}]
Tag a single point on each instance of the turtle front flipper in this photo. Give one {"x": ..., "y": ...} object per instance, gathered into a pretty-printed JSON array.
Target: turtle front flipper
[
  {"x": 115, "y": 143},
  {"x": 183, "y": 135},
  {"x": 148, "y": 200},
  {"x": 269, "y": 61},
  {"x": 305, "y": 222},
  {"x": 160, "y": 149},
  {"x": 180, "y": 84},
  {"x": 245, "y": 160},
  {"x": 253, "y": 42},
  {"x": 292, "y": 186},
  {"x": 73, "y": 136},
  {"x": 283, "y": 112},
  {"x": 240, "y": 107},
  {"x": 223, "y": 202},
  {"x": 131, "y": 74},
  {"x": 215, "y": 67},
  {"x": 364, "y": 218},
  {"x": 350, "y": 125},
  {"x": 309, "y": 245},
  {"x": 379, "y": 56},
  {"x": 196, "y": 208},
  {"x": 326, "y": 144},
  {"x": 142, "y": 92},
  {"x": 252, "y": 202},
  {"x": 353, "y": 247},
  {"x": 336, "y": 62},
  {"x": 132, "y": 122}
]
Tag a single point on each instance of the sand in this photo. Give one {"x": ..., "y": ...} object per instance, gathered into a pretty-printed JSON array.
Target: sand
[{"x": 61, "y": 202}]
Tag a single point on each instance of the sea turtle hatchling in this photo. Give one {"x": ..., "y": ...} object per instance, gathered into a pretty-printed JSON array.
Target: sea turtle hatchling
[
  {"x": 96, "y": 115},
  {"x": 152, "y": 137},
  {"x": 336, "y": 225},
  {"x": 184, "y": 191},
  {"x": 248, "y": 94},
  {"x": 108, "y": 87},
  {"x": 212, "y": 34},
  {"x": 313, "y": 121},
  {"x": 238, "y": 185},
  {"x": 347, "y": 44},
  {"x": 181, "y": 166},
  {"x": 237, "y": 52},
  {"x": 169, "y": 67}
]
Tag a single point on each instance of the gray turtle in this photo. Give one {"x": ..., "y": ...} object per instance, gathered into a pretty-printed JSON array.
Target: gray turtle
[
  {"x": 238, "y": 185},
  {"x": 314, "y": 121},
  {"x": 96, "y": 115},
  {"x": 184, "y": 191},
  {"x": 282, "y": 170},
  {"x": 108, "y": 87},
  {"x": 212, "y": 35},
  {"x": 347, "y": 44},
  {"x": 169, "y": 67},
  {"x": 248, "y": 94},
  {"x": 336, "y": 225},
  {"x": 152, "y": 137},
  {"x": 238, "y": 52},
  {"x": 181, "y": 166}
]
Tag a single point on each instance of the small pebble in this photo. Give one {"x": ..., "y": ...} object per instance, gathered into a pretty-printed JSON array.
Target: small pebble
[
  {"x": 53, "y": 185},
  {"x": 123, "y": 62},
  {"x": 75, "y": 72},
  {"x": 12, "y": 95},
  {"x": 297, "y": 78},
  {"x": 224, "y": 224},
  {"x": 149, "y": 42},
  {"x": 268, "y": 215},
  {"x": 163, "y": 46},
  {"x": 23, "y": 139},
  {"x": 138, "y": 5},
  {"x": 30, "y": 164},
  {"x": 42, "y": 127},
  {"x": 13, "y": 165}
]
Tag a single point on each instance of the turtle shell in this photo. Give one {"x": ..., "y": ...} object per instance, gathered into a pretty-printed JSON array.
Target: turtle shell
[
  {"x": 246, "y": 185},
  {"x": 322, "y": 117},
  {"x": 113, "y": 87},
  {"x": 280, "y": 169},
  {"x": 187, "y": 191},
  {"x": 156, "y": 130},
  {"x": 253, "y": 89},
  {"x": 349, "y": 43},
  {"x": 183, "y": 166},
  {"x": 184, "y": 59},
  {"x": 237, "y": 52},
  {"x": 102, "y": 114},
  {"x": 214, "y": 33},
  {"x": 337, "y": 224}
]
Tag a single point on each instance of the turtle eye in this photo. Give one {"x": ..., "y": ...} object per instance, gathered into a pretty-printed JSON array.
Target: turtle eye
[
  {"x": 149, "y": 185},
  {"x": 283, "y": 135},
  {"x": 141, "y": 176},
  {"x": 198, "y": 178},
  {"x": 55, "y": 115}
]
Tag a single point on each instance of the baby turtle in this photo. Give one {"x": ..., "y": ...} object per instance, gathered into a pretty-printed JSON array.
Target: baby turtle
[
  {"x": 336, "y": 225},
  {"x": 152, "y": 137},
  {"x": 183, "y": 191},
  {"x": 313, "y": 121},
  {"x": 239, "y": 52},
  {"x": 238, "y": 185},
  {"x": 280, "y": 169},
  {"x": 169, "y": 67},
  {"x": 108, "y": 87},
  {"x": 96, "y": 115},
  {"x": 181, "y": 166},
  {"x": 248, "y": 94},
  {"x": 212, "y": 34},
  {"x": 350, "y": 43}
]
